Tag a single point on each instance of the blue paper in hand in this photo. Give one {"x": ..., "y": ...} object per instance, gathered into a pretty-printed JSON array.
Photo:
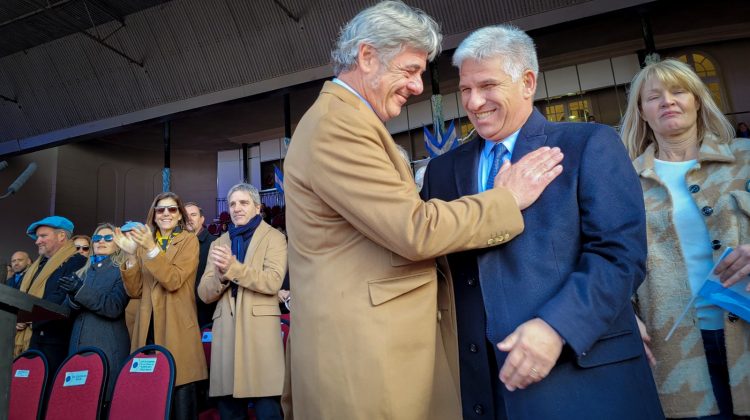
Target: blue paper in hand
[
  {"x": 734, "y": 299},
  {"x": 130, "y": 226}
]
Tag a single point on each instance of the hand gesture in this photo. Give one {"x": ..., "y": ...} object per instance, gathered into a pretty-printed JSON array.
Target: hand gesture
[
  {"x": 143, "y": 236},
  {"x": 527, "y": 178},
  {"x": 126, "y": 244},
  {"x": 70, "y": 284},
  {"x": 735, "y": 267},
  {"x": 222, "y": 258},
  {"x": 533, "y": 349}
]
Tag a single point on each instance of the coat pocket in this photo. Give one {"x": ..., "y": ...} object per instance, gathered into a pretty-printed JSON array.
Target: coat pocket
[
  {"x": 383, "y": 290},
  {"x": 612, "y": 348},
  {"x": 266, "y": 310}
]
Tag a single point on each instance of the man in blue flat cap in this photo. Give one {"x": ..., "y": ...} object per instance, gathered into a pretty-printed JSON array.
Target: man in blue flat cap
[{"x": 57, "y": 258}]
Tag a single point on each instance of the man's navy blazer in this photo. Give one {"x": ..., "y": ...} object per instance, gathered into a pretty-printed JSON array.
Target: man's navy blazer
[{"x": 576, "y": 265}]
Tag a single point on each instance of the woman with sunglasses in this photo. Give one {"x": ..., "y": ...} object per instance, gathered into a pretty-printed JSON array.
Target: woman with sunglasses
[
  {"x": 82, "y": 244},
  {"x": 160, "y": 270},
  {"x": 97, "y": 300}
]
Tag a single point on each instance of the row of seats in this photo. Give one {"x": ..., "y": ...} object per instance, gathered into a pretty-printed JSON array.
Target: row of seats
[{"x": 143, "y": 389}]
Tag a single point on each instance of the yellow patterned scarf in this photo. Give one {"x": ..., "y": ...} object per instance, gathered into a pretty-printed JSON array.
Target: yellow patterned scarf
[{"x": 36, "y": 287}]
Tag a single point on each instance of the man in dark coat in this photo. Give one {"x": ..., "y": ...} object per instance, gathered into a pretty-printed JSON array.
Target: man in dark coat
[
  {"x": 19, "y": 262},
  {"x": 195, "y": 224},
  {"x": 57, "y": 258},
  {"x": 545, "y": 325}
]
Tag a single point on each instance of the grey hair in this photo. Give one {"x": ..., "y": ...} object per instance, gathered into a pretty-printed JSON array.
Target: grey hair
[
  {"x": 242, "y": 186},
  {"x": 388, "y": 26},
  {"x": 68, "y": 234},
  {"x": 506, "y": 41}
]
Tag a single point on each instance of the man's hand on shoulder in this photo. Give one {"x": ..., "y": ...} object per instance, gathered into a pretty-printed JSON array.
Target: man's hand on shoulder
[
  {"x": 527, "y": 178},
  {"x": 533, "y": 349}
]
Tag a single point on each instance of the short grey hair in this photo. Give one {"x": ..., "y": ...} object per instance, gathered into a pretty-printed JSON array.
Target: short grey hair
[
  {"x": 242, "y": 186},
  {"x": 388, "y": 26},
  {"x": 505, "y": 41}
]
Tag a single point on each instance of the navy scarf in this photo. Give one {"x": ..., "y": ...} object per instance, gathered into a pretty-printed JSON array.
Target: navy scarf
[{"x": 240, "y": 237}]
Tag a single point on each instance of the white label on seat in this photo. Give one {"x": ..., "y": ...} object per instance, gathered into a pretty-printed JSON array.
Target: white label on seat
[
  {"x": 76, "y": 378},
  {"x": 207, "y": 336},
  {"x": 143, "y": 364},
  {"x": 22, "y": 373}
]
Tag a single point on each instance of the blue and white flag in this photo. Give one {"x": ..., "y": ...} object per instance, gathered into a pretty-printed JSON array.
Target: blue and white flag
[
  {"x": 440, "y": 142},
  {"x": 278, "y": 180},
  {"x": 734, "y": 299}
]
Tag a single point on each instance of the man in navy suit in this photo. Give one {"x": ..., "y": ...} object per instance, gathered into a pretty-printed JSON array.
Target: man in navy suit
[{"x": 545, "y": 325}]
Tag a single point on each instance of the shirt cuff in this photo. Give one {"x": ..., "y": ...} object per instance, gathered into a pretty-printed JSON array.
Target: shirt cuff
[{"x": 153, "y": 253}]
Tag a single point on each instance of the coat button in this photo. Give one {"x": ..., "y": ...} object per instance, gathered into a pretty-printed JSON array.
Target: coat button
[
  {"x": 471, "y": 281},
  {"x": 707, "y": 211},
  {"x": 732, "y": 317},
  {"x": 473, "y": 348},
  {"x": 715, "y": 244},
  {"x": 694, "y": 188},
  {"x": 478, "y": 409}
]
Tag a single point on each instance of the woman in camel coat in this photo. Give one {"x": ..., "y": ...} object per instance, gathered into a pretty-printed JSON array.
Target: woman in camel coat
[{"x": 160, "y": 271}]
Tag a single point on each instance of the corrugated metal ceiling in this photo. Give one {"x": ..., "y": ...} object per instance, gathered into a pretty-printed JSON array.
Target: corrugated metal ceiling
[{"x": 185, "y": 49}]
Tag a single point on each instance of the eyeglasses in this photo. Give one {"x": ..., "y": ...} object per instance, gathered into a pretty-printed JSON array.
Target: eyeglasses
[
  {"x": 82, "y": 247},
  {"x": 107, "y": 238},
  {"x": 171, "y": 209}
]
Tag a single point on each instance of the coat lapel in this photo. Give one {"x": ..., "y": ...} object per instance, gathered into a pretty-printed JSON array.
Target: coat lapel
[
  {"x": 531, "y": 136},
  {"x": 465, "y": 167}
]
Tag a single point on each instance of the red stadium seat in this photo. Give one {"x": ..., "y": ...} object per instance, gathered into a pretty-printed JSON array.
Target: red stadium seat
[
  {"x": 143, "y": 389},
  {"x": 79, "y": 386},
  {"x": 27, "y": 386}
]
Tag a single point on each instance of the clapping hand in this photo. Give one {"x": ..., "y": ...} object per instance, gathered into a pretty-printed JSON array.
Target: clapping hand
[
  {"x": 70, "y": 284},
  {"x": 124, "y": 242},
  {"x": 143, "y": 236},
  {"x": 222, "y": 258}
]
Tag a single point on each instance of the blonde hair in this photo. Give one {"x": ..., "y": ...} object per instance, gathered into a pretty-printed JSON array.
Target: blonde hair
[
  {"x": 118, "y": 257},
  {"x": 635, "y": 131}
]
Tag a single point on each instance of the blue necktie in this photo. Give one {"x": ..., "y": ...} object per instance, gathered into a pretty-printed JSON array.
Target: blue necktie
[{"x": 498, "y": 151}]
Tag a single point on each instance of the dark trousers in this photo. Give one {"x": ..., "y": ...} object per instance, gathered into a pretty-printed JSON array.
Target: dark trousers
[
  {"x": 266, "y": 408},
  {"x": 184, "y": 402},
  {"x": 716, "y": 356}
]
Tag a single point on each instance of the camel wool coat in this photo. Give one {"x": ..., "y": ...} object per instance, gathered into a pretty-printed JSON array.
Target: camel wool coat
[
  {"x": 247, "y": 355},
  {"x": 165, "y": 286},
  {"x": 366, "y": 340}
]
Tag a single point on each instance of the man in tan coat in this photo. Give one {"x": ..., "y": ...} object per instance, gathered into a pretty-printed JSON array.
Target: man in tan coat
[
  {"x": 245, "y": 269},
  {"x": 365, "y": 339}
]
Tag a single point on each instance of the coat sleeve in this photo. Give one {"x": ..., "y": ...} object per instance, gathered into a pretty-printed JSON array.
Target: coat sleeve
[
  {"x": 131, "y": 279},
  {"x": 210, "y": 287},
  {"x": 52, "y": 290},
  {"x": 268, "y": 278},
  {"x": 172, "y": 275},
  {"x": 108, "y": 301},
  {"x": 356, "y": 178},
  {"x": 612, "y": 259}
]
